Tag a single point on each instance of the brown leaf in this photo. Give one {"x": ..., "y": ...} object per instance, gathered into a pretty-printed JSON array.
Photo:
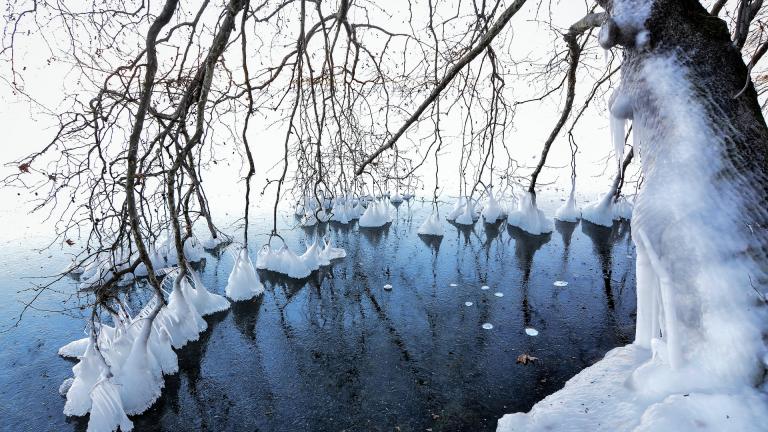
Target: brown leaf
[
  {"x": 526, "y": 358},
  {"x": 24, "y": 167},
  {"x": 69, "y": 242}
]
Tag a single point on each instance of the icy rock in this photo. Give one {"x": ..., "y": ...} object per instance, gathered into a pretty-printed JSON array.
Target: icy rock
[
  {"x": 485, "y": 287},
  {"x": 468, "y": 304},
  {"x": 431, "y": 226},
  {"x": 388, "y": 287},
  {"x": 528, "y": 217},
  {"x": 243, "y": 283},
  {"x": 488, "y": 326},
  {"x": 560, "y": 283},
  {"x": 498, "y": 294}
]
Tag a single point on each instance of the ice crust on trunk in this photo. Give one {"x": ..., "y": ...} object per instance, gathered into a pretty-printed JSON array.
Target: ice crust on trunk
[{"x": 699, "y": 356}]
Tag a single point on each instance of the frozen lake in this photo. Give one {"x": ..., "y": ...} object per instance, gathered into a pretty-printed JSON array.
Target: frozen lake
[{"x": 338, "y": 351}]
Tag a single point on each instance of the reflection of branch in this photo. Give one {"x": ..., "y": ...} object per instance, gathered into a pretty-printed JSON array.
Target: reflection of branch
[{"x": 449, "y": 76}]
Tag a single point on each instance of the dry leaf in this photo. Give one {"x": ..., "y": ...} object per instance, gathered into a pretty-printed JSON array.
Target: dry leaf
[
  {"x": 526, "y": 358},
  {"x": 24, "y": 167},
  {"x": 69, "y": 242}
]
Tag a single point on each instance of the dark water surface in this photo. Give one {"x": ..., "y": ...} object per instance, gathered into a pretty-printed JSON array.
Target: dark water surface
[{"x": 338, "y": 352}]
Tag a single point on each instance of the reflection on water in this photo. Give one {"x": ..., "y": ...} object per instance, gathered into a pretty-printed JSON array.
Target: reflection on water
[{"x": 336, "y": 351}]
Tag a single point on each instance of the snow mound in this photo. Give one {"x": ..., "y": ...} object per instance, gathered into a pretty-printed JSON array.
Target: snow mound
[
  {"x": 396, "y": 198},
  {"x": 431, "y": 226},
  {"x": 243, "y": 282},
  {"x": 528, "y": 217}
]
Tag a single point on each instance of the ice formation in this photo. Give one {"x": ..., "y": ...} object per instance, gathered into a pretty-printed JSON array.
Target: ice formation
[
  {"x": 699, "y": 356},
  {"x": 528, "y": 217},
  {"x": 396, "y": 198},
  {"x": 343, "y": 211},
  {"x": 468, "y": 214},
  {"x": 284, "y": 261},
  {"x": 531, "y": 331},
  {"x": 121, "y": 367},
  {"x": 488, "y": 326},
  {"x": 458, "y": 208},
  {"x": 243, "y": 283},
  {"x": 212, "y": 243},
  {"x": 203, "y": 300},
  {"x": 432, "y": 226},
  {"x": 568, "y": 212},
  {"x": 376, "y": 215},
  {"x": 107, "y": 412},
  {"x": 607, "y": 209},
  {"x": 492, "y": 210}
]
